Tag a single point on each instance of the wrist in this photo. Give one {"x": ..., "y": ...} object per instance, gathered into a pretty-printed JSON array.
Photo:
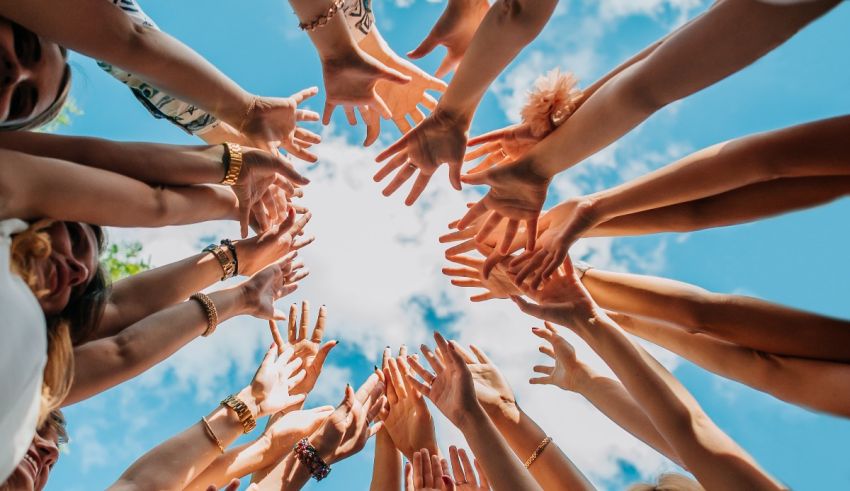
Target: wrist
[
  {"x": 581, "y": 382},
  {"x": 504, "y": 411},
  {"x": 246, "y": 395},
  {"x": 452, "y": 116},
  {"x": 470, "y": 418}
]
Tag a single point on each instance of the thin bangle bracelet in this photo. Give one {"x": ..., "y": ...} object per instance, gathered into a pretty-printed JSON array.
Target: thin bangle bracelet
[
  {"x": 208, "y": 429},
  {"x": 537, "y": 451}
]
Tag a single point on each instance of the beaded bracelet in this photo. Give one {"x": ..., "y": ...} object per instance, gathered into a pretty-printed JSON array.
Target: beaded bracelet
[
  {"x": 209, "y": 309},
  {"x": 309, "y": 456},
  {"x": 232, "y": 247},
  {"x": 537, "y": 451}
]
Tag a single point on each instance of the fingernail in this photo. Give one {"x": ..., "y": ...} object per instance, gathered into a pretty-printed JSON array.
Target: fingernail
[{"x": 375, "y": 367}]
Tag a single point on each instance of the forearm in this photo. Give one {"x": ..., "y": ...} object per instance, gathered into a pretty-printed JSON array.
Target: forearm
[
  {"x": 503, "y": 468},
  {"x": 693, "y": 58},
  {"x": 176, "y": 462},
  {"x": 506, "y": 29},
  {"x": 386, "y": 472},
  {"x": 746, "y": 321},
  {"x": 552, "y": 469},
  {"x": 151, "y": 163},
  {"x": 155, "y": 56},
  {"x": 136, "y": 297},
  {"x": 36, "y": 187},
  {"x": 714, "y": 458},
  {"x": 742, "y": 205},
  {"x": 105, "y": 363},
  {"x": 801, "y": 151},
  {"x": 333, "y": 39},
  {"x": 614, "y": 401},
  {"x": 781, "y": 376},
  {"x": 236, "y": 463}
]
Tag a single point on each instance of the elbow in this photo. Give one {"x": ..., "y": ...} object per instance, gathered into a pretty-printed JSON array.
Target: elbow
[
  {"x": 637, "y": 89},
  {"x": 157, "y": 210}
]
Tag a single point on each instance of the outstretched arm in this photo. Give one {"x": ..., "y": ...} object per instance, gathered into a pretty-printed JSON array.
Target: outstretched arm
[
  {"x": 742, "y": 205},
  {"x": 386, "y": 472},
  {"x": 606, "y": 394},
  {"x": 745, "y": 321},
  {"x": 34, "y": 187},
  {"x": 785, "y": 377},
  {"x": 105, "y": 363},
  {"x": 714, "y": 458}
]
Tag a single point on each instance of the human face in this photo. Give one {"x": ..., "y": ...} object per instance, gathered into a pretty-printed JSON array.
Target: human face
[
  {"x": 70, "y": 267},
  {"x": 31, "y": 72},
  {"x": 33, "y": 470}
]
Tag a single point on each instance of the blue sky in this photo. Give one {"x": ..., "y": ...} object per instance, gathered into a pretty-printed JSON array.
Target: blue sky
[{"x": 376, "y": 263}]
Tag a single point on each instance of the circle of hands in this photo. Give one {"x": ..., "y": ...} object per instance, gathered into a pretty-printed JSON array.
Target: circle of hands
[{"x": 503, "y": 245}]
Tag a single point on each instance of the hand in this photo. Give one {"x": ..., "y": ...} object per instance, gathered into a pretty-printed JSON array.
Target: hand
[
  {"x": 454, "y": 30},
  {"x": 450, "y": 387},
  {"x": 347, "y": 429},
  {"x": 271, "y": 123},
  {"x": 402, "y": 100},
  {"x": 350, "y": 82},
  {"x": 499, "y": 284},
  {"x": 273, "y": 282},
  {"x": 408, "y": 421},
  {"x": 258, "y": 252},
  {"x": 260, "y": 170},
  {"x": 574, "y": 218},
  {"x": 500, "y": 146},
  {"x": 441, "y": 137},
  {"x": 269, "y": 391},
  {"x": 427, "y": 472},
  {"x": 464, "y": 474},
  {"x": 562, "y": 300},
  {"x": 491, "y": 388},
  {"x": 310, "y": 350},
  {"x": 517, "y": 192},
  {"x": 233, "y": 486},
  {"x": 285, "y": 429},
  {"x": 568, "y": 373}
]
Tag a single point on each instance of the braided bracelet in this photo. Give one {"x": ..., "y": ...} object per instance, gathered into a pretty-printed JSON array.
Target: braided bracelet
[
  {"x": 209, "y": 310},
  {"x": 309, "y": 457},
  {"x": 322, "y": 19},
  {"x": 537, "y": 451}
]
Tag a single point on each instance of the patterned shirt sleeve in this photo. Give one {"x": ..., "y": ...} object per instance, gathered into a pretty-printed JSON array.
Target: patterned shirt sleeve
[
  {"x": 358, "y": 17},
  {"x": 161, "y": 105}
]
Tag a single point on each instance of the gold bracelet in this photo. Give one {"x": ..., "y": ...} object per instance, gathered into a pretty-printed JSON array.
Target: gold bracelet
[
  {"x": 225, "y": 260},
  {"x": 322, "y": 19},
  {"x": 211, "y": 434},
  {"x": 234, "y": 163},
  {"x": 242, "y": 411},
  {"x": 537, "y": 451},
  {"x": 209, "y": 309}
]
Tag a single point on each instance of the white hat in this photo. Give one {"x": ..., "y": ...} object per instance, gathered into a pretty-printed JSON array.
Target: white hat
[{"x": 23, "y": 354}]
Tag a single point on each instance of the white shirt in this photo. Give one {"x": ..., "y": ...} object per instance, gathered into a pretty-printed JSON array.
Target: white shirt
[{"x": 23, "y": 354}]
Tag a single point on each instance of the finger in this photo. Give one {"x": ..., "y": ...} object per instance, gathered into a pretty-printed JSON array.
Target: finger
[
  {"x": 466, "y": 464},
  {"x": 302, "y": 243},
  {"x": 291, "y": 328},
  {"x": 349, "y": 115},
  {"x": 417, "y": 115},
  {"x": 305, "y": 320},
  {"x": 436, "y": 469},
  {"x": 305, "y": 115},
  {"x": 482, "y": 151},
  {"x": 420, "y": 370},
  {"x": 327, "y": 113},
  {"x": 427, "y": 470},
  {"x": 531, "y": 266},
  {"x": 395, "y": 375},
  {"x": 419, "y": 186},
  {"x": 457, "y": 470},
  {"x": 482, "y": 297},
  {"x": 545, "y": 370},
  {"x": 461, "y": 248},
  {"x": 486, "y": 164},
  {"x": 403, "y": 124},
  {"x": 426, "y": 46},
  {"x": 528, "y": 307},
  {"x": 462, "y": 272},
  {"x": 558, "y": 258},
  {"x": 469, "y": 262},
  {"x": 433, "y": 360},
  {"x": 531, "y": 231},
  {"x": 472, "y": 214},
  {"x": 390, "y": 166},
  {"x": 455, "y": 168},
  {"x": 373, "y": 125},
  {"x": 276, "y": 337},
  {"x": 304, "y": 94},
  {"x": 308, "y": 136},
  {"x": 510, "y": 233},
  {"x": 319, "y": 329},
  {"x": 482, "y": 477},
  {"x": 418, "y": 481},
  {"x": 400, "y": 178},
  {"x": 447, "y": 65},
  {"x": 468, "y": 283},
  {"x": 301, "y": 152},
  {"x": 380, "y": 106},
  {"x": 402, "y": 355},
  {"x": 298, "y": 377},
  {"x": 458, "y": 235},
  {"x": 376, "y": 408},
  {"x": 492, "y": 222},
  {"x": 547, "y": 350},
  {"x": 408, "y": 477},
  {"x": 428, "y": 101},
  {"x": 481, "y": 355}
]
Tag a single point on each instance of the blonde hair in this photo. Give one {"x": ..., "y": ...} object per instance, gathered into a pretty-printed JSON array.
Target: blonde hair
[
  {"x": 29, "y": 247},
  {"x": 670, "y": 482}
]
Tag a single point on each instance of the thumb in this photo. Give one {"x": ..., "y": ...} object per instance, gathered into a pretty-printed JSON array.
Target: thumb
[
  {"x": 426, "y": 46},
  {"x": 476, "y": 178}
]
